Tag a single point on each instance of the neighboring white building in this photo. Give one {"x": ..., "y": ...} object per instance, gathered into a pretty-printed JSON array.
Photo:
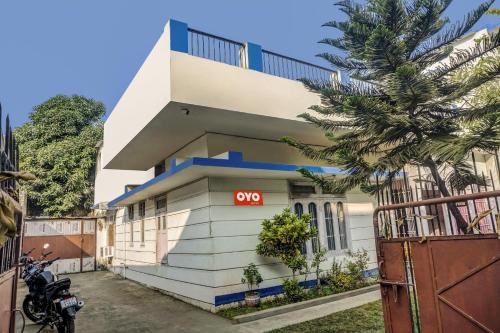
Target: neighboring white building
[{"x": 201, "y": 122}]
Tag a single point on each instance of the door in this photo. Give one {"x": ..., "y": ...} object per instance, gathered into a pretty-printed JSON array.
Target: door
[{"x": 161, "y": 239}]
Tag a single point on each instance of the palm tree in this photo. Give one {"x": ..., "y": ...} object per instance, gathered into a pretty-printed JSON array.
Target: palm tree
[{"x": 401, "y": 106}]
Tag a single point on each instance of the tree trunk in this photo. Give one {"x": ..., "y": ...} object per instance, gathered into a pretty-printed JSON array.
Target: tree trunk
[{"x": 461, "y": 223}]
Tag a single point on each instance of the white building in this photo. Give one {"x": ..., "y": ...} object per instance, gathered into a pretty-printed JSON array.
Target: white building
[{"x": 200, "y": 122}]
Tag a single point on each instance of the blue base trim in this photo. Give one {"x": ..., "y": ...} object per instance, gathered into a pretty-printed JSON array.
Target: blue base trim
[
  {"x": 264, "y": 292},
  {"x": 276, "y": 290}
]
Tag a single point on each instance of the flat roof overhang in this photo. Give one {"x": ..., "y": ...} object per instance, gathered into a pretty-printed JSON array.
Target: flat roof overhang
[
  {"x": 199, "y": 167},
  {"x": 179, "y": 123}
]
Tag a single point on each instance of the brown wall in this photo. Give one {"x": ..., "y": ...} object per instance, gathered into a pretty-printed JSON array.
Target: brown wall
[{"x": 64, "y": 246}]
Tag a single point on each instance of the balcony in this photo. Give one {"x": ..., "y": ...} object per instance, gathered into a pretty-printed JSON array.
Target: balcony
[{"x": 194, "y": 82}]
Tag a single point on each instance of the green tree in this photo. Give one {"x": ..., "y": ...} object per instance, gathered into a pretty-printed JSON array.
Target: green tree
[
  {"x": 283, "y": 236},
  {"x": 401, "y": 106},
  {"x": 58, "y": 145}
]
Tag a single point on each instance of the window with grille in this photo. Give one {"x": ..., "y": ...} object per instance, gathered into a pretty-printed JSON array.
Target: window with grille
[
  {"x": 342, "y": 225},
  {"x": 330, "y": 234},
  {"x": 142, "y": 209},
  {"x": 299, "y": 210},
  {"x": 314, "y": 224},
  {"x": 130, "y": 209}
]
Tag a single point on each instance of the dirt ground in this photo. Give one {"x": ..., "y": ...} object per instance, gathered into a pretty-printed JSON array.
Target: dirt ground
[{"x": 113, "y": 304}]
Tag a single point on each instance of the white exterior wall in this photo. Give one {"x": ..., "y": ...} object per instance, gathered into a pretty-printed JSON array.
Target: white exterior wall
[{"x": 210, "y": 240}]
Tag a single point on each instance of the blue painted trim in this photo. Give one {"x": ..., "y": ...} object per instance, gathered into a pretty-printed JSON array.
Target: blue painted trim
[
  {"x": 178, "y": 36},
  {"x": 264, "y": 292},
  {"x": 275, "y": 290},
  {"x": 254, "y": 57},
  {"x": 235, "y": 160}
]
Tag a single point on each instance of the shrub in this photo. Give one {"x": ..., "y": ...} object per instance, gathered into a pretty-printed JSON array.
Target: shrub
[
  {"x": 338, "y": 279},
  {"x": 319, "y": 257},
  {"x": 293, "y": 291},
  {"x": 356, "y": 266},
  {"x": 352, "y": 276},
  {"x": 283, "y": 236},
  {"x": 251, "y": 276}
]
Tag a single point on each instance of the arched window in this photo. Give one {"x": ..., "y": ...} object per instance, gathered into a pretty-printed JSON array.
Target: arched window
[
  {"x": 299, "y": 211},
  {"x": 314, "y": 224},
  {"x": 330, "y": 233},
  {"x": 342, "y": 225}
]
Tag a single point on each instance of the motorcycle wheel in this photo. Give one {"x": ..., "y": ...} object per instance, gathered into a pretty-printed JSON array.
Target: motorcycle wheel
[
  {"x": 29, "y": 310},
  {"x": 67, "y": 326}
]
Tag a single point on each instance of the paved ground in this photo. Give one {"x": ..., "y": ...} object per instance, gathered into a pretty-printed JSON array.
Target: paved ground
[{"x": 113, "y": 304}]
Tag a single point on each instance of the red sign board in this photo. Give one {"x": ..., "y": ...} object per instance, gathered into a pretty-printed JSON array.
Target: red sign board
[{"x": 248, "y": 198}]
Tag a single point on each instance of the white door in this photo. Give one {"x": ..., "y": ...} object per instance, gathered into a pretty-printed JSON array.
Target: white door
[{"x": 161, "y": 239}]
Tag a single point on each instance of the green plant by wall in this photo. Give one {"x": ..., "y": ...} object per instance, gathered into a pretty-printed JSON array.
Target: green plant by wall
[
  {"x": 251, "y": 277},
  {"x": 355, "y": 267},
  {"x": 352, "y": 277},
  {"x": 319, "y": 257},
  {"x": 282, "y": 237},
  {"x": 292, "y": 290}
]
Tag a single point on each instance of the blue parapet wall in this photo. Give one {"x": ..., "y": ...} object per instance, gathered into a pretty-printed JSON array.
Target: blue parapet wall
[
  {"x": 254, "y": 55},
  {"x": 178, "y": 36},
  {"x": 275, "y": 290}
]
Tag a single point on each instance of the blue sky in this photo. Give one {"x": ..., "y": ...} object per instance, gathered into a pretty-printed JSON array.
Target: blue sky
[{"x": 95, "y": 47}]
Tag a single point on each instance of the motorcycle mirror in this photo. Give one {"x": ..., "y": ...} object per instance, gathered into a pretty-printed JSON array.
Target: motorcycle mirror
[{"x": 46, "y": 246}]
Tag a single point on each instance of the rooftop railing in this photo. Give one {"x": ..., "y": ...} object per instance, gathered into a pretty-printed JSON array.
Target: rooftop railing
[
  {"x": 245, "y": 55},
  {"x": 216, "y": 48},
  {"x": 294, "y": 69}
]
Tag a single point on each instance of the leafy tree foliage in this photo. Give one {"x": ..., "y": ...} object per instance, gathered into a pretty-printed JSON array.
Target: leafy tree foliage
[
  {"x": 283, "y": 236},
  {"x": 402, "y": 105},
  {"x": 58, "y": 145}
]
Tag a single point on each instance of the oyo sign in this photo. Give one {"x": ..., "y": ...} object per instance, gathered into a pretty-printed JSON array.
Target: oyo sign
[{"x": 248, "y": 198}]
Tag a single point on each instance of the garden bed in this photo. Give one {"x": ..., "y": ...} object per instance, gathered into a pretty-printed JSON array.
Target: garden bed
[{"x": 281, "y": 305}]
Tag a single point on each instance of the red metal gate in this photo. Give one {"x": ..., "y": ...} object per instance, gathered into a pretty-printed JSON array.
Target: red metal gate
[{"x": 439, "y": 283}]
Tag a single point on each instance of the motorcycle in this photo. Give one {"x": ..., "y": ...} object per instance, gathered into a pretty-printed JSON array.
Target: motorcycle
[{"x": 49, "y": 301}]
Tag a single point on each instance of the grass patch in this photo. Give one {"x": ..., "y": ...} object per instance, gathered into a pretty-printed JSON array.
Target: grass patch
[{"x": 368, "y": 318}]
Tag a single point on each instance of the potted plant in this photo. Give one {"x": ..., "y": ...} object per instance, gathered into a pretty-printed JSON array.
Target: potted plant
[{"x": 251, "y": 277}]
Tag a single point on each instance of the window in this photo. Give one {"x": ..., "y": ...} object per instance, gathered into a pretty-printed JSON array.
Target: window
[
  {"x": 158, "y": 222},
  {"x": 142, "y": 209},
  {"x": 142, "y": 231},
  {"x": 164, "y": 218},
  {"x": 130, "y": 212},
  {"x": 314, "y": 224},
  {"x": 131, "y": 232},
  {"x": 299, "y": 210},
  {"x": 330, "y": 234},
  {"x": 342, "y": 226},
  {"x": 303, "y": 189},
  {"x": 161, "y": 204}
]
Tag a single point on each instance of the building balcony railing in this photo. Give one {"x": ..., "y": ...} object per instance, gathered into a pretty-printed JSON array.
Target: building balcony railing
[{"x": 245, "y": 55}]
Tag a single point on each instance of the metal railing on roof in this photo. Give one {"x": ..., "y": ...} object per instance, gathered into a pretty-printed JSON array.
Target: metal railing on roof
[
  {"x": 208, "y": 46},
  {"x": 294, "y": 69}
]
